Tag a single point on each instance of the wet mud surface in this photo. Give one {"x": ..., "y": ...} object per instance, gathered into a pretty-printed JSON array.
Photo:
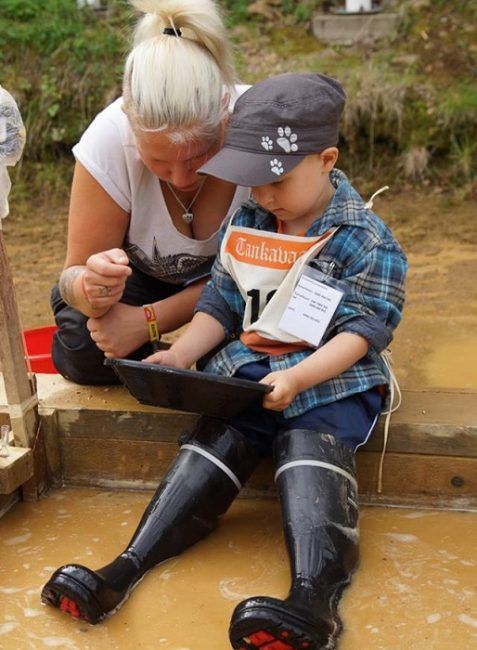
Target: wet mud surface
[{"x": 414, "y": 587}]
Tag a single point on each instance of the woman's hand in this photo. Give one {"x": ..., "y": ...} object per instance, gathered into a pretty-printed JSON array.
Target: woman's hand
[
  {"x": 285, "y": 389},
  {"x": 104, "y": 278},
  {"x": 120, "y": 331}
]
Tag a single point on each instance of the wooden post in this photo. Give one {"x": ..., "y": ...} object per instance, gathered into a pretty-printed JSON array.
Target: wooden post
[
  {"x": 20, "y": 389},
  {"x": 20, "y": 386}
]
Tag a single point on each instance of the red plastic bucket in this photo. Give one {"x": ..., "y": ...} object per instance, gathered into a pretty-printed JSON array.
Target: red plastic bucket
[{"x": 38, "y": 348}]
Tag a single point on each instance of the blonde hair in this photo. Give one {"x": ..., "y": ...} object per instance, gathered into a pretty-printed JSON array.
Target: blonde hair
[{"x": 175, "y": 83}]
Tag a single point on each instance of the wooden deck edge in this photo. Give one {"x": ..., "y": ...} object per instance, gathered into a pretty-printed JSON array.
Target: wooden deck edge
[
  {"x": 468, "y": 504},
  {"x": 448, "y": 406},
  {"x": 16, "y": 469},
  {"x": 418, "y": 503},
  {"x": 407, "y": 437},
  {"x": 407, "y": 478},
  {"x": 101, "y": 436}
]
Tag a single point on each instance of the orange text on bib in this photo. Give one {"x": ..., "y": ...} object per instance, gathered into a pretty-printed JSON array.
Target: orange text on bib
[{"x": 260, "y": 250}]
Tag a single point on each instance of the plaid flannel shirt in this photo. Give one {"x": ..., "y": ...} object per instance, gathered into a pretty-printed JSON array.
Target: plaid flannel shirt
[{"x": 364, "y": 255}]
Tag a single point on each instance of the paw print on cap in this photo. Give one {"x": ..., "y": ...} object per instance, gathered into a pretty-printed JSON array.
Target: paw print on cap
[
  {"x": 287, "y": 139},
  {"x": 277, "y": 167},
  {"x": 266, "y": 143}
]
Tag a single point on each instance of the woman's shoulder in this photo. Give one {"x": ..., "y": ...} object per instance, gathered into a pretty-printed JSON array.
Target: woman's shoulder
[
  {"x": 108, "y": 152},
  {"x": 110, "y": 124},
  {"x": 108, "y": 142}
]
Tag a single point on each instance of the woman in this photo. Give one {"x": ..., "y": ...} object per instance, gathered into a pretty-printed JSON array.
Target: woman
[{"x": 142, "y": 223}]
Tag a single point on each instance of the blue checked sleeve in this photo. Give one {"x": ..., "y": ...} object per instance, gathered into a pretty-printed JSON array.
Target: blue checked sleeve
[
  {"x": 220, "y": 298},
  {"x": 372, "y": 306}
]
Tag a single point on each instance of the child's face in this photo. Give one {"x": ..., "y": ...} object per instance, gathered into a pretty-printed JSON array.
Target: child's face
[{"x": 302, "y": 194}]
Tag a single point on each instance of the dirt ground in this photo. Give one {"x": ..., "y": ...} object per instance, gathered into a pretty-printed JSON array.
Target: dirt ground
[{"x": 436, "y": 343}]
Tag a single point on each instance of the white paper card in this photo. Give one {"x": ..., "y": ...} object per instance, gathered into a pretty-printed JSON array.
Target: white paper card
[{"x": 310, "y": 309}]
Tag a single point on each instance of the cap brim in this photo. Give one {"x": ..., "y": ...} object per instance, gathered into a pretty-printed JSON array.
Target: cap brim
[{"x": 249, "y": 169}]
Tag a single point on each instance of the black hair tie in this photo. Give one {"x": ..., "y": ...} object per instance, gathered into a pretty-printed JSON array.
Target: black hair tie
[{"x": 170, "y": 31}]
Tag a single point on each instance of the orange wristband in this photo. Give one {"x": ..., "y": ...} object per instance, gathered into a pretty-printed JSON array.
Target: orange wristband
[{"x": 154, "y": 335}]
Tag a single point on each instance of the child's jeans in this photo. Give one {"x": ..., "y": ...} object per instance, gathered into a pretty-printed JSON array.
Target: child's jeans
[{"x": 350, "y": 419}]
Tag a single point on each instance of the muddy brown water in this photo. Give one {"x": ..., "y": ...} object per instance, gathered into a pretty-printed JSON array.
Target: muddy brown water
[{"x": 415, "y": 587}]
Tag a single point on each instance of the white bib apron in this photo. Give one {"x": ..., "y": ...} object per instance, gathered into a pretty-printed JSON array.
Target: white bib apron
[{"x": 266, "y": 267}]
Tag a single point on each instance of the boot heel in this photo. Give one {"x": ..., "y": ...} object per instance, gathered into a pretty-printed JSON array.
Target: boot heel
[
  {"x": 264, "y": 622},
  {"x": 74, "y": 585}
]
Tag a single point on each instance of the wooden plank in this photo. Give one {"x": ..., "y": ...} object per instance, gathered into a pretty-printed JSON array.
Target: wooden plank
[
  {"x": 164, "y": 426},
  {"x": 429, "y": 501},
  {"x": 418, "y": 474},
  {"x": 4, "y": 418},
  {"x": 56, "y": 392},
  {"x": 118, "y": 459},
  {"x": 38, "y": 483},
  {"x": 436, "y": 422},
  {"x": 432, "y": 421},
  {"x": 52, "y": 447},
  {"x": 15, "y": 469},
  {"x": 419, "y": 438},
  {"x": 453, "y": 407},
  {"x": 19, "y": 389},
  {"x": 128, "y": 462},
  {"x": 442, "y": 422},
  {"x": 410, "y": 478}
]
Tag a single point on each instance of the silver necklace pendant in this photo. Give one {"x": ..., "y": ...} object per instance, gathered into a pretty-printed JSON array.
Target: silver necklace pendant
[{"x": 187, "y": 215}]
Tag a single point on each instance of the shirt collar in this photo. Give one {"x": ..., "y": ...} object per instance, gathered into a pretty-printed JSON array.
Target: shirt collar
[{"x": 345, "y": 208}]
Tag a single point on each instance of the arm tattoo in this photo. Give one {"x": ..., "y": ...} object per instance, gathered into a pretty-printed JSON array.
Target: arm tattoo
[{"x": 65, "y": 285}]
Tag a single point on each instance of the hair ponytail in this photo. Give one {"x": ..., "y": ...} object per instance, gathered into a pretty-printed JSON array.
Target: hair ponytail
[{"x": 174, "y": 82}]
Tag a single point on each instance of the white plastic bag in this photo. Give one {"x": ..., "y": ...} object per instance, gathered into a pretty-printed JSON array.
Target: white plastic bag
[{"x": 12, "y": 141}]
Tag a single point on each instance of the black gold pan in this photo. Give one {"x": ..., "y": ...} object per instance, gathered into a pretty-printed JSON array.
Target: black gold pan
[{"x": 187, "y": 390}]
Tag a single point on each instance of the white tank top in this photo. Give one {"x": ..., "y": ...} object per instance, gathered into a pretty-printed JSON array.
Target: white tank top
[{"x": 107, "y": 150}]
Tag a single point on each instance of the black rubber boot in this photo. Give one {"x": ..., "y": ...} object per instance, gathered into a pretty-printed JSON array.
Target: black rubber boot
[
  {"x": 199, "y": 487},
  {"x": 318, "y": 496}
]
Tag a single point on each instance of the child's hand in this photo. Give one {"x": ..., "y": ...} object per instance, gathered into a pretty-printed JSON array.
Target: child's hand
[
  {"x": 285, "y": 388},
  {"x": 167, "y": 358}
]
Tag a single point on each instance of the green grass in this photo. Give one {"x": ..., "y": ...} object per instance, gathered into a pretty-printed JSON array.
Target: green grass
[
  {"x": 412, "y": 98},
  {"x": 62, "y": 65}
]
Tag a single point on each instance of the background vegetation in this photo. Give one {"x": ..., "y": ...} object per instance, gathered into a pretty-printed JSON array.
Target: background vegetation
[{"x": 411, "y": 115}]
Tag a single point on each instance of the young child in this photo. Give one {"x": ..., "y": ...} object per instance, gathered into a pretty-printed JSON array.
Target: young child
[
  {"x": 328, "y": 393},
  {"x": 309, "y": 285}
]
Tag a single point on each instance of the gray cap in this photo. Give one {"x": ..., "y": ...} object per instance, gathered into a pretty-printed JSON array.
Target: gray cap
[{"x": 275, "y": 125}]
